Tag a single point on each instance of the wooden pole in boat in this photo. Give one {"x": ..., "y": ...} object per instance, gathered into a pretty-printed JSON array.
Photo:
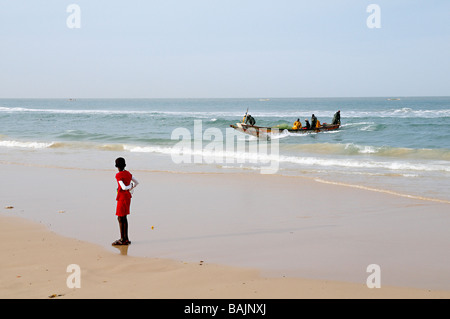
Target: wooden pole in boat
[{"x": 245, "y": 117}]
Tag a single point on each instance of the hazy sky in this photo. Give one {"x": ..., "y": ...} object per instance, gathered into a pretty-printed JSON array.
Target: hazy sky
[{"x": 224, "y": 48}]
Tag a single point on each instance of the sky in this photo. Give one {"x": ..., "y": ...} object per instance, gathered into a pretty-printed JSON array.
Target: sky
[{"x": 224, "y": 49}]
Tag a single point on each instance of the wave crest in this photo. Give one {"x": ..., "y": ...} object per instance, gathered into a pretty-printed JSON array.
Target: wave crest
[{"x": 403, "y": 112}]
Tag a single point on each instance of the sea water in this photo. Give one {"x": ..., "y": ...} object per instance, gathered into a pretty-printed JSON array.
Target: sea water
[{"x": 394, "y": 144}]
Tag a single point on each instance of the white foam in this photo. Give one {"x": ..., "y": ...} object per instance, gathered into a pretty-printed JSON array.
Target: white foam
[
  {"x": 402, "y": 112},
  {"x": 362, "y": 149},
  {"x": 18, "y": 144},
  {"x": 255, "y": 157},
  {"x": 383, "y": 191}
]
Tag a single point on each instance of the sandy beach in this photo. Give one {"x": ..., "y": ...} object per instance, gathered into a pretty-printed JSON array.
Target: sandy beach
[
  {"x": 35, "y": 260},
  {"x": 216, "y": 236}
]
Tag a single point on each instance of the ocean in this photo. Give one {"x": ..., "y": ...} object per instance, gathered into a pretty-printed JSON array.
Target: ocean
[{"x": 399, "y": 145}]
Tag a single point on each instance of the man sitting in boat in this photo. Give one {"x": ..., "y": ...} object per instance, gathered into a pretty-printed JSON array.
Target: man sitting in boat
[
  {"x": 297, "y": 125},
  {"x": 307, "y": 125},
  {"x": 337, "y": 118}
]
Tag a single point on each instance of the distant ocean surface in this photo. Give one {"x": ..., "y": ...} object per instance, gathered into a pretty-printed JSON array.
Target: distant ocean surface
[{"x": 399, "y": 144}]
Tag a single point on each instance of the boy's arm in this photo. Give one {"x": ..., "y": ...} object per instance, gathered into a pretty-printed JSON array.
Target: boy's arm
[
  {"x": 122, "y": 185},
  {"x": 135, "y": 182}
]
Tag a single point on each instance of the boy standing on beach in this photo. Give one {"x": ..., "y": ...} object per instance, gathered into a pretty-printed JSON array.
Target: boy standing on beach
[{"x": 125, "y": 182}]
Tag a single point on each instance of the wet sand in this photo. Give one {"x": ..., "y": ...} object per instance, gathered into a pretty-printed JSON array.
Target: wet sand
[{"x": 217, "y": 236}]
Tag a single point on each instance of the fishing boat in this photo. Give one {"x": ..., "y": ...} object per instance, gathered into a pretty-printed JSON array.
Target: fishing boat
[{"x": 261, "y": 131}]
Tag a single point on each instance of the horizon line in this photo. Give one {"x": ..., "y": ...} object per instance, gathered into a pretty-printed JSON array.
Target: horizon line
[{"x": 199, "y": 98}]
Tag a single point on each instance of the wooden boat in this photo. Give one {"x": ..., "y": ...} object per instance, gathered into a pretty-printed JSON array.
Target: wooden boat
[{"x": 261, "y": 131}]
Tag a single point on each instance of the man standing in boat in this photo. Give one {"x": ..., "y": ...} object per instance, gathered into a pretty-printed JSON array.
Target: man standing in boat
[
  {"x": 313, "y": 121},
  {"x": 337, "y": 118}
]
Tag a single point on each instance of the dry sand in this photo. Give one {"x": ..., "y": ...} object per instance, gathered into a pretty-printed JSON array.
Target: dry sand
[{"x": 70, "y": 220}]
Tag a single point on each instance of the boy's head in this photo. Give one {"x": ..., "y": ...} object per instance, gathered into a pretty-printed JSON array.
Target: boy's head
[{"x": 120, "y": 163}]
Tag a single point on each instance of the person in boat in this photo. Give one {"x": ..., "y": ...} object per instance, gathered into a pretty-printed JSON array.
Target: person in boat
[
  {"x": 297, "y": 125},
  {"x": 307, "y": 125},
  {"x": 337, "y": 118},
  {"x": 250, "y": 120},
  {"x": 313, "y": 121}
]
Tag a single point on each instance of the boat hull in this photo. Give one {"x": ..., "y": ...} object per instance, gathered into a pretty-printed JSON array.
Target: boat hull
[{"x": 261, "y": 131}]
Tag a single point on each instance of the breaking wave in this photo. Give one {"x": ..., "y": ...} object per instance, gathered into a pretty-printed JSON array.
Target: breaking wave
[{"x": 404, "y": 112}]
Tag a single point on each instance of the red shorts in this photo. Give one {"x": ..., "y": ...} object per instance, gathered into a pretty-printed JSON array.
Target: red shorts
[{"x": 123, "y": 207}]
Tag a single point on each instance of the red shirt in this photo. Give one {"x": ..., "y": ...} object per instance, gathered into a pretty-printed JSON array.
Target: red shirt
[{"x": 125, "y": 177}]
